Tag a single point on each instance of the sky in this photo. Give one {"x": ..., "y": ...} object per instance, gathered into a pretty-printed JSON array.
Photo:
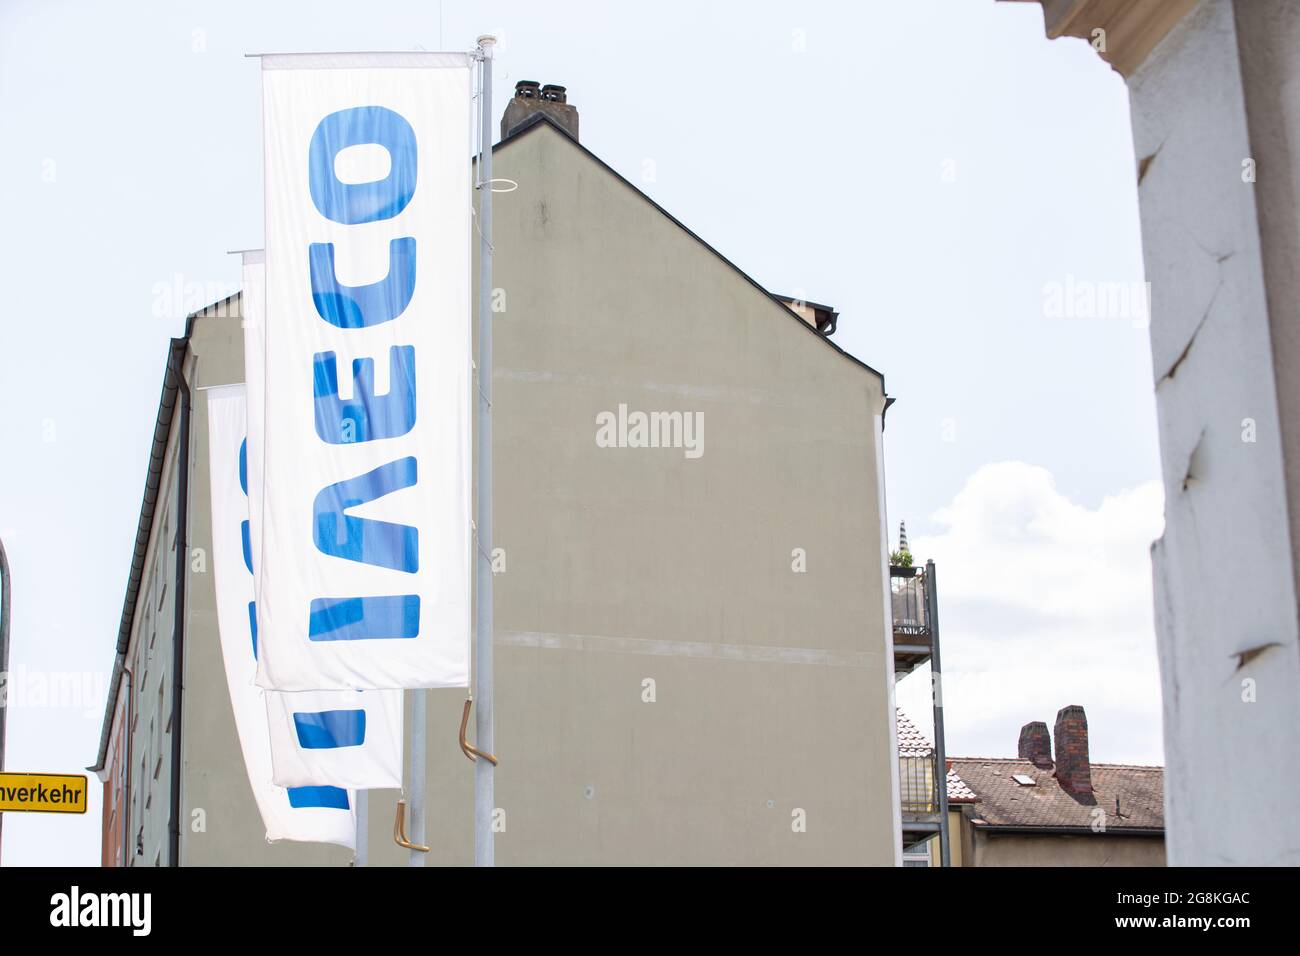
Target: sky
[{"x": 938, "y": 172}]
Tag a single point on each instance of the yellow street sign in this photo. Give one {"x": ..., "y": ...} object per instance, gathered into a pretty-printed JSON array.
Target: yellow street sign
[{"x": 43, "y": 792}]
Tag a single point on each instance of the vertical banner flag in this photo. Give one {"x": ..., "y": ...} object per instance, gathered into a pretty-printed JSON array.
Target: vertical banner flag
[
  {"x": 365, "y": 515},
  {"x": 319, "y": 814},
  {"x": 346, "y": 738}
]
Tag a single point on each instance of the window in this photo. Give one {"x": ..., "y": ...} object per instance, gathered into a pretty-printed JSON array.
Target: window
[
  {"x": 139, "y": 682},
  {"x": 918, "y": 854},
  {"x": 153, "y": 741},
  {"x": 159, "y": 741}
]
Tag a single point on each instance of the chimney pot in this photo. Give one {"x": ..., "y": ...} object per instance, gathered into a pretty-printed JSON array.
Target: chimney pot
[
  {"x": 1035, "y": 744},
  {"x": 531, "y": 98},
  {"x": 1073, "y": 770}
]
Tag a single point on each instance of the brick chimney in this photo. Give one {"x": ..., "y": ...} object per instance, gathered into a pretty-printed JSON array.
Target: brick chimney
[
  {"x": 1035, "y": 744},
  {"x": 532, "y": 98},
  {"x": 1073, "y": 771}
]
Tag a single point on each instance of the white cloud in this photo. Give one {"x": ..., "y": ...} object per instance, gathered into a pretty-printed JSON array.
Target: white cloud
[{"x": 1043, "y": 603}]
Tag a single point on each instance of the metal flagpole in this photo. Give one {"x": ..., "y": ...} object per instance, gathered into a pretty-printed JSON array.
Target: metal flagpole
[
  {"x": 419, "y": 702},
  {"x": 362, "y": 852},
  {"x": 936, "y": 689},
  {"x": 419, "y": 696},
  {"x": 483, "y": 796}
]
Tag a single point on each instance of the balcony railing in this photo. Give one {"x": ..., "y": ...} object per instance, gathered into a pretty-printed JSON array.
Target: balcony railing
[
  {"x": 923, "y": 784},
  {"x": 907, "y": 596},
  {"x": 916, "y": 778}
]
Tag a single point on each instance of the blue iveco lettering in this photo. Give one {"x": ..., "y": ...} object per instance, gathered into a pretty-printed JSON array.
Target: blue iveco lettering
[
  {"x": 351, "y": 204},
  {"x": 380, "y": 543},
  {"x": 324, "y": 729},
  {"x": 365, "y": 417},
  {"x": 359, "y": 306},
  {"x": 365, "y": 618}
]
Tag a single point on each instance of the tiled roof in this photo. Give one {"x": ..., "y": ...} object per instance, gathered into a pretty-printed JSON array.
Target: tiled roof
[
  {"x": 911, "y": 742},
  {"x": 958, "y": 792},
  {"x": 1001, "y": 801}
]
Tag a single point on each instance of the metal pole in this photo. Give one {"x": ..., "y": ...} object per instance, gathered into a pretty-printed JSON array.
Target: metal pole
[
  {"x": 362, "y": 856},
  {"x": 419, "y": 721},
  {"x": 936, "y": 692},
  {"x": 4, "y": 655},
  {"x": 483, "y": 790}
]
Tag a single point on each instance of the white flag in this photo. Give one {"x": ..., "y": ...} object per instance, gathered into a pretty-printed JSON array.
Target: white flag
[
  {"x": 318, "y": 814},
  {"x": 365, "y": 520},
  {"x": 346, "y": 738}
]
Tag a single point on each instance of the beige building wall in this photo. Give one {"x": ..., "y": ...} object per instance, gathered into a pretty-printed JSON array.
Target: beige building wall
[
  {"x": 1015, "y": 849},
  {"x": 772, "y": 689},
  {"x": 628, "y": 565}
]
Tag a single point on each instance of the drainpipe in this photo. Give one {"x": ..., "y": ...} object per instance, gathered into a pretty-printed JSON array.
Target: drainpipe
[
  {"x": 178, "y": 631},
  {"x": 126, "y": 778}
]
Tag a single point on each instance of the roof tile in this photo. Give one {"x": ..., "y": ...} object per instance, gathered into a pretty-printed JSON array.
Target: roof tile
[
  {"x": 911, "y": 742},
  {"x": 1001, "y": 801}
]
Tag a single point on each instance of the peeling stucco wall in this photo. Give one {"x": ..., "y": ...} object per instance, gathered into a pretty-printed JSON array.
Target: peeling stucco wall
[{"x": 1220, "y": 251}]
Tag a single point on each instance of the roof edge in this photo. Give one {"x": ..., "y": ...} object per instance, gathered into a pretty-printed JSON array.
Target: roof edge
[
  {"x": 1094, "y": 764},
  {"x": 1069, "y": 831},
  {"x": 541, "y": 119}
]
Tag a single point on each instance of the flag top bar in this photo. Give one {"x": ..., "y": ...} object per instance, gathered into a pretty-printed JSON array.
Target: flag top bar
[{"x": 398, "y": 59}]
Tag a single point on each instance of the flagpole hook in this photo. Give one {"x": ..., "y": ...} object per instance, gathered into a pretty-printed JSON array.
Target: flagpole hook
[
  {"x": 467, "y": 748},
  {"x": 399, "y": 830}
]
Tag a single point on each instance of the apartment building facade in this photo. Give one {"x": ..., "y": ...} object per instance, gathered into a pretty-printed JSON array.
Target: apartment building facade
[{"x": 694, "y": 660}]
